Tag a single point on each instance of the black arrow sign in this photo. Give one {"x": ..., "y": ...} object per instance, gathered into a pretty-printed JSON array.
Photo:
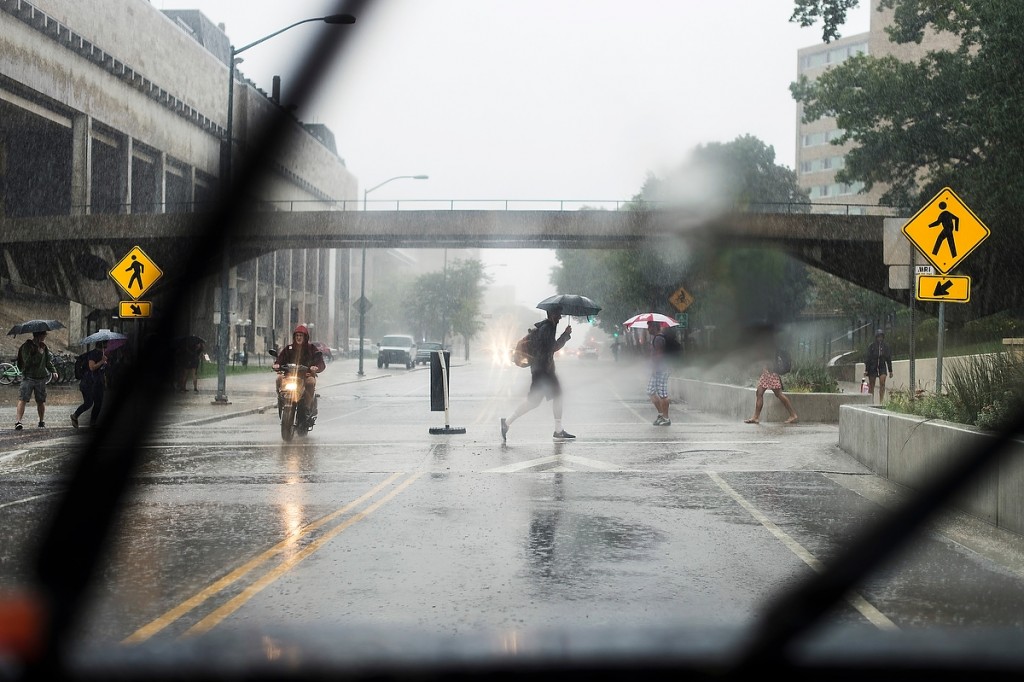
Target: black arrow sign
[{"x": 942, "y": 288}]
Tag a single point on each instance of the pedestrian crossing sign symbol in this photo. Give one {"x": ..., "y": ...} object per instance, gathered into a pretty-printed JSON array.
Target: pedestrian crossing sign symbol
[
  {"x": 946, "y": 231},
  {"x": 681, "y": 299},
  {"x": 135, "y": 309},
  {"x": 136, "y": 273},
  {"x": 951, "y": 289}
]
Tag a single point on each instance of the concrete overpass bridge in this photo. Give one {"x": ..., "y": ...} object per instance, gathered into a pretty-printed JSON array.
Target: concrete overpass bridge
[{"x": 70, "y": 256}]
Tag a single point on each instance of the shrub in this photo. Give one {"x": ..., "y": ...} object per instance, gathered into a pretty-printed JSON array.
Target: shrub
[
  {"x": 986, "y": 391},
  {"x": 811, "y": 379}
]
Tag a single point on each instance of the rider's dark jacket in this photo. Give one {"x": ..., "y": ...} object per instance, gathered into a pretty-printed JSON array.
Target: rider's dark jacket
[{"x": 306, "y": 354}]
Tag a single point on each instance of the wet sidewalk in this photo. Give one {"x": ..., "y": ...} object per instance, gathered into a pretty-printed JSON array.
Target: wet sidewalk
[{"x": 246, "y": 394}]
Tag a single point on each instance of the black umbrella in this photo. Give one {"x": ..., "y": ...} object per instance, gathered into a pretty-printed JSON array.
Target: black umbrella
[
  {"x": 33, "y": 326},
  {"x": 571, "y": 304}
]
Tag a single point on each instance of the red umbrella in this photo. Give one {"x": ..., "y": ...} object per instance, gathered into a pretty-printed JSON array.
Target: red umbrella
[{"x": 640, "y": 321}]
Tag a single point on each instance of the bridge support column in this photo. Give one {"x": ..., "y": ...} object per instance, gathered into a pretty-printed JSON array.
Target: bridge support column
[{"x": 81, "y": 164}]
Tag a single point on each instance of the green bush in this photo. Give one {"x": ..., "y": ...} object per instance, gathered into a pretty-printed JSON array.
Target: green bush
[
  {"x": 807, "y": 378},
  {"x": 986, "y": 391}
]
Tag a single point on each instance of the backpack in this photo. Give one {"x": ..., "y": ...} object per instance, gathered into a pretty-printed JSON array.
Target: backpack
[
  {"x": 673, "y": 349},
  {"x": 81, "y": 366},
  {"x": 783, "y": 361},
  {"x": 522, "y": 354}
]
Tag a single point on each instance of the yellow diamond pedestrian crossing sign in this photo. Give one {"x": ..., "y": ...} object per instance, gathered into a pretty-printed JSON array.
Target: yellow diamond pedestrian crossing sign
[
  {"x": 136, "y": 273},
  {"x": 946, "y": 231}
]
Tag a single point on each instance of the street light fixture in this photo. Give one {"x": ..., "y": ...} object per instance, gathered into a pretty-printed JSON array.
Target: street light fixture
[
  {"x": 222, "y": 331},
  {"x": 362, "y": 270}
]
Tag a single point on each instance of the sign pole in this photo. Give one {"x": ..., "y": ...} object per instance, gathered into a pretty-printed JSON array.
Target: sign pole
[
  {"x": 910, "y": 299},
  {"x": 938, "y": 354}
]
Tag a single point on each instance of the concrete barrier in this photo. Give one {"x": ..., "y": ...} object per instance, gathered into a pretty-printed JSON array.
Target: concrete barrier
[
  {"x": 737, "y": 402},
  {"x": 910, "y": 450}
]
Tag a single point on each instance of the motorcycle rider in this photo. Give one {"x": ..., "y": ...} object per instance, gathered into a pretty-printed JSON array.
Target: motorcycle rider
[{"x": 301, "y": 352}]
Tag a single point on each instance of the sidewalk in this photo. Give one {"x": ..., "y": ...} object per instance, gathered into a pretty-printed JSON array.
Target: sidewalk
[{"x": 246, "y": 393}]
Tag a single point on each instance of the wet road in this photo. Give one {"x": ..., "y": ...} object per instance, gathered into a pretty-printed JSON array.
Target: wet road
[{"x": 371, "y": 520}]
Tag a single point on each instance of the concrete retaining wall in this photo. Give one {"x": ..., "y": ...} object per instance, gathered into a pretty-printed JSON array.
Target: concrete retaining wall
[
  {"x": 924, "y": 372},
  {"x": 910, "y": 450},
  {"x": 737, "y": 402}
]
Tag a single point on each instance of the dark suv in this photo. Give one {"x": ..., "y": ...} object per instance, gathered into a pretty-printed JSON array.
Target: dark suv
[
  {"x": 425, "y": 350},
  {"x": 396, "y": 348}
]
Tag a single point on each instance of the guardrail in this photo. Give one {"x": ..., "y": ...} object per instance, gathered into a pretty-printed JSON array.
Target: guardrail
[{"x": 497, "y": 205}]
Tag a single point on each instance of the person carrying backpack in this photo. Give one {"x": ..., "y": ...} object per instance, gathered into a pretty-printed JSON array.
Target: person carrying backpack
[
  {"x": 93, "y": 384},
  {"x": 657, "y": 385},
  {"x": 544, "y": 383}
]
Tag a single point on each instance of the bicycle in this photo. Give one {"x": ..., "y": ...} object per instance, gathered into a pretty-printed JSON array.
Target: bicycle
[{"x": 9, "y": 374}]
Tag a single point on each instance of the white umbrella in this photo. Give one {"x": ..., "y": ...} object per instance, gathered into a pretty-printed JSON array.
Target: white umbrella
[
  {"x": 640, "y": 321},
  {"x": 101, "y": 335}
]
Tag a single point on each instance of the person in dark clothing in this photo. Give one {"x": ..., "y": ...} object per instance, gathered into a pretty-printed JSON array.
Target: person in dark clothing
[
  {"x": 302, "y": 352},
  {"x": 36, "y": 364},
  {"x": 93, "y": 385},
  {"x": 878, "y": 363},
  {"x": 544, "y": 382}
]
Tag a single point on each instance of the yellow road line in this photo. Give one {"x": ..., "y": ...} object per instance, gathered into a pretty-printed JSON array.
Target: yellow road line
[
  {"x": 215, "y": 618},
  {"x": 873, "y": 615},
  {"x": 150, "y": 629}
]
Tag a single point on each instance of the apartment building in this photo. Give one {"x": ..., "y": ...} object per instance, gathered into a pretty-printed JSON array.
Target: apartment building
[{"x": 818, "y": 160}]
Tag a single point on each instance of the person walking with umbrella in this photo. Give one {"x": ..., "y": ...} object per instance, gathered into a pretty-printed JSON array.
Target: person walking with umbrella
[
  {"x": 544, "y": 383},
  {"x": 93, "y": 384},
  {"x": 36, "y": 364}
]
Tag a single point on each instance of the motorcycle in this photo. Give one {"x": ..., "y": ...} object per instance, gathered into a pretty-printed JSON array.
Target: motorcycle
[{"x": 291, "y": 407}]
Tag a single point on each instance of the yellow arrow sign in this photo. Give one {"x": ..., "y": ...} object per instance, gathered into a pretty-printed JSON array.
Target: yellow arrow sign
[
  {"x": 681, "y": 299},
  {"x": 951, "y": 289},
  {"x": 946, "y": 230},
  {"x": 135, "y": 309},
  {"x": 136, "y": 273}
]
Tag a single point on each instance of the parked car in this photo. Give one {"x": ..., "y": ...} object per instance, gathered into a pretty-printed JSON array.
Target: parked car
[
  {"x": 369, "y": 349},
  {"x": 396, "y": 348},
  {"x": 425, "y": 350},
  {"x": 325, "y": 351}
]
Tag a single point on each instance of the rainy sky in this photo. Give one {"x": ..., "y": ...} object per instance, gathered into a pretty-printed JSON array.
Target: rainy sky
[{"x": 535, "y": 99}]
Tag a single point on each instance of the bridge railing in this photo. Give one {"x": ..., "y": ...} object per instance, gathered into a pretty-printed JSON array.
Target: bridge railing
[{"x": 499, "y": 205}]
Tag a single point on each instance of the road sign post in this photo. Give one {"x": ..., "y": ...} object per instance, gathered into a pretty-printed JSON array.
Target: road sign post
[{"x": 953, "y": 231}]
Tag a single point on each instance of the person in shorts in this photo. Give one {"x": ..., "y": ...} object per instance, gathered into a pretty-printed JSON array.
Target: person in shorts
[
  {"x": 878, "y": 364},
  {"x": 36, "y": 364},
  {"x": 657, "y": 385},
  {"x": 770, "y": 380}
]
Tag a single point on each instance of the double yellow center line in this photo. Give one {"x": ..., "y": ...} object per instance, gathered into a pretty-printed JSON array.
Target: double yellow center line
[{"x": 225, "y": 610}]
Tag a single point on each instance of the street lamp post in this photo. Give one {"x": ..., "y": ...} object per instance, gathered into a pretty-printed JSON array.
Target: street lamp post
[
  {"x": 222, "y": 327},
  {"x": 362, "y": 270}
]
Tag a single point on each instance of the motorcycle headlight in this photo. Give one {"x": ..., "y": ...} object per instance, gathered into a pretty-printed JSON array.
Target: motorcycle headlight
[{"x": 290, "y": 385}]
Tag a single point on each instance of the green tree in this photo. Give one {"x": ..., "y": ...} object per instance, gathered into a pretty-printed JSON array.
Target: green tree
[
  {"x": 950, "y": 119},
  {"x": 449, "y": 302},
  {"x": 732, "y": 286}
]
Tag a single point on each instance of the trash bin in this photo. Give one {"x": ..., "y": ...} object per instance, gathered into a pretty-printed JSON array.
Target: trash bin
[{"x": 439, "y": 381}]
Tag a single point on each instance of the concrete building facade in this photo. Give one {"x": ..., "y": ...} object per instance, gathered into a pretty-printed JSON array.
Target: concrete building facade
[{"x": 92, "y": 122}]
